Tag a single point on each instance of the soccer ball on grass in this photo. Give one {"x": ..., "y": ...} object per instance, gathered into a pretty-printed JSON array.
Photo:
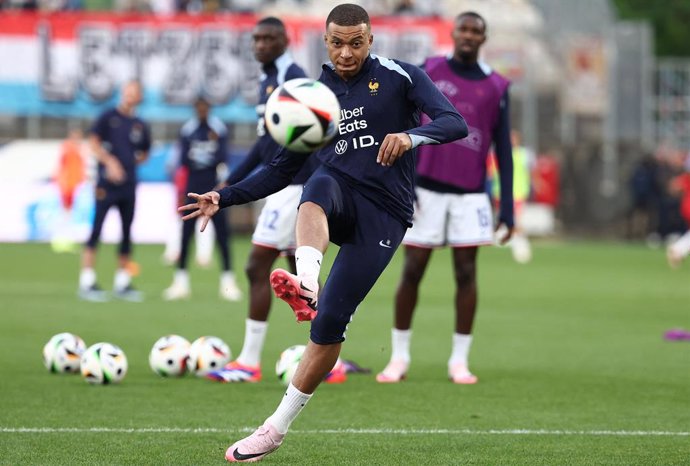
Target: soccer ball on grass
[
  {"x": 169, "y": 356},
  {"x": 63, "y": 352},
  {"x": 103, "y": 363},
  {"x": 208, "y": 354}
]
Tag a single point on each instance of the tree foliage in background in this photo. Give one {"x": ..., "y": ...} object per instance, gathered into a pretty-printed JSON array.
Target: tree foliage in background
[{"x": 669, "y": 18}]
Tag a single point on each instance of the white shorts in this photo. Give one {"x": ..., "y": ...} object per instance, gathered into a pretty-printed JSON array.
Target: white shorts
[
  {"x": 275, "y": 227},
  {"x": 455, "y": 220}
]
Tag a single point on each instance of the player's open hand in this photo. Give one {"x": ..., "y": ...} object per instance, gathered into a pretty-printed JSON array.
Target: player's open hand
[
  {"x": 504, "y": 233},
  {"x": 206, "y": 206},
  {"x": 393, "y": 147}
]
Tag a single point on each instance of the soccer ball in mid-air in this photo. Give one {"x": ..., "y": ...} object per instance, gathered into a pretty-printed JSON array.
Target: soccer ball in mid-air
[
  {"x": 208, "y": 354},
  {"x": 302, "y": 114},
  {"x": 288, "y": 362},
  {"x": 103, "y": 363},
  {"x": 169, "y": 355},
  {"x": 63, "y": 353}
]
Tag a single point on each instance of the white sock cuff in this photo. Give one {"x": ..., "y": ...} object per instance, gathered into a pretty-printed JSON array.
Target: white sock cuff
[
  {"x": 289, "y": 408},
  {"x": 461, "y": 349},
  {"x": 122, "y": 279},
  {"x": 251, "y": 324},
  {"x": 462, "y": 338},
  {"x": 293, "y": 392},
  {"x": 87, "y": 277},
  {"x": 308, "y": 261},
  {"x": 400, "y": 340},
  {"x": 254, "y": 336},
  {"x": 309, "y": 252}
]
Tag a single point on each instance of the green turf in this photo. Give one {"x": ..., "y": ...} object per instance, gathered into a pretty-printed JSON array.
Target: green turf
[{"x": 571, "y": 343}]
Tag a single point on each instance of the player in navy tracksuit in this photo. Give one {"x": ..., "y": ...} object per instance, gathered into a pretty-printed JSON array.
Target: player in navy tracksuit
[
  {"x": 203, "y": 146},
  {"x": 275, "y": 228},
  {"x": 119, "y": 141},
  {"x": 360, "y": 198}
]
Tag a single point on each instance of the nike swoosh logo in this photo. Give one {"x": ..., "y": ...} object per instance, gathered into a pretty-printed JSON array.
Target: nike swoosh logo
[
  {"x": 310, "y": 302},
  {"x": 381, "y": 243},
  {"x": 243, "y": 457},
  {"x": 304, "y": 287}
]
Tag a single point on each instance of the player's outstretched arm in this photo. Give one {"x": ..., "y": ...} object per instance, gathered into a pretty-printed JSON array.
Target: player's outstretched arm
[{"x": 206, "y": 206}]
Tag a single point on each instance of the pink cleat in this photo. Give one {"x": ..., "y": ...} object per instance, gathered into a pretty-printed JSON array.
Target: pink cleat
[
  {"x": 234, "y": 372},
  {"x": 301, "y": 296},
  {"x": 394, "y": 372},
  {"x": 460, "y": 374},
  {"x": 265, "y": 440}
]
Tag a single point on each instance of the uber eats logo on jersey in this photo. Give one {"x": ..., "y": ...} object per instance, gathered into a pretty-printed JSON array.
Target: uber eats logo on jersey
[
  {"x": 350, "y": 121},
  {"x": 347, "y": 126}
]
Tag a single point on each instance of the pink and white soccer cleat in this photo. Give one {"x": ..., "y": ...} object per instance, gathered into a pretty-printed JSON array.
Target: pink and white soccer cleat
[
  {"x": 460, "y": 374},
  {"x": 394, "y": 372},
  {"x": 300, "y": 294},
  {"x": 263, "y": 441},
  {"x": 234, "y": 372}
]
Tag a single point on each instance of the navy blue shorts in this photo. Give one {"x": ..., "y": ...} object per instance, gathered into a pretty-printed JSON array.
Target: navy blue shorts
[{"x": 368, "y": 237}]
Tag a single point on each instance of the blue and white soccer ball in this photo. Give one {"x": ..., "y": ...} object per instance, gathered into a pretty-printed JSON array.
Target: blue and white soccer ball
[
  {"x": 288, "y": 362},
  {"x": 208, "y": 354},
  {"x": 302, "y": 114},
  {"x": 169, "y": 356},
  {"x": 103, "y": 364},
  {"x": 62, "y": 353}
]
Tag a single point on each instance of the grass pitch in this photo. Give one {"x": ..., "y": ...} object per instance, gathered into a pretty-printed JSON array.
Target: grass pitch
[{"x": 569, "y": 351}]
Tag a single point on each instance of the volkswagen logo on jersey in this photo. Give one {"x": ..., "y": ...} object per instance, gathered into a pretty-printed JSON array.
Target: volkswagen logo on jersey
[{"x": 341, "y": 147}]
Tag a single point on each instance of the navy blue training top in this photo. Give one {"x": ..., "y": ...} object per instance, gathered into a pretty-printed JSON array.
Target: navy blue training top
[
  {"x": 385, "y": 97},
  {"x": 265, "y": 148},
  {"x": 122, "y": 136},
  {"x": 203, "y": 146}
]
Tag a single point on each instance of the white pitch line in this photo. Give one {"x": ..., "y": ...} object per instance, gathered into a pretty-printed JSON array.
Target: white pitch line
[{"x": 212, "y": 430}]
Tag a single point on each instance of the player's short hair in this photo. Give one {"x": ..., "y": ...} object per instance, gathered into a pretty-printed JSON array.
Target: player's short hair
[
  {"x": 472, "y": 14},
  {"x": 348, "y": 14},
  {"x": 271, "y": 21}
]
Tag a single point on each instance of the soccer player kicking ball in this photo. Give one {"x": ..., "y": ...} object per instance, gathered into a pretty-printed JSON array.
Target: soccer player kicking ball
[{"x": 359, "y": 198}]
